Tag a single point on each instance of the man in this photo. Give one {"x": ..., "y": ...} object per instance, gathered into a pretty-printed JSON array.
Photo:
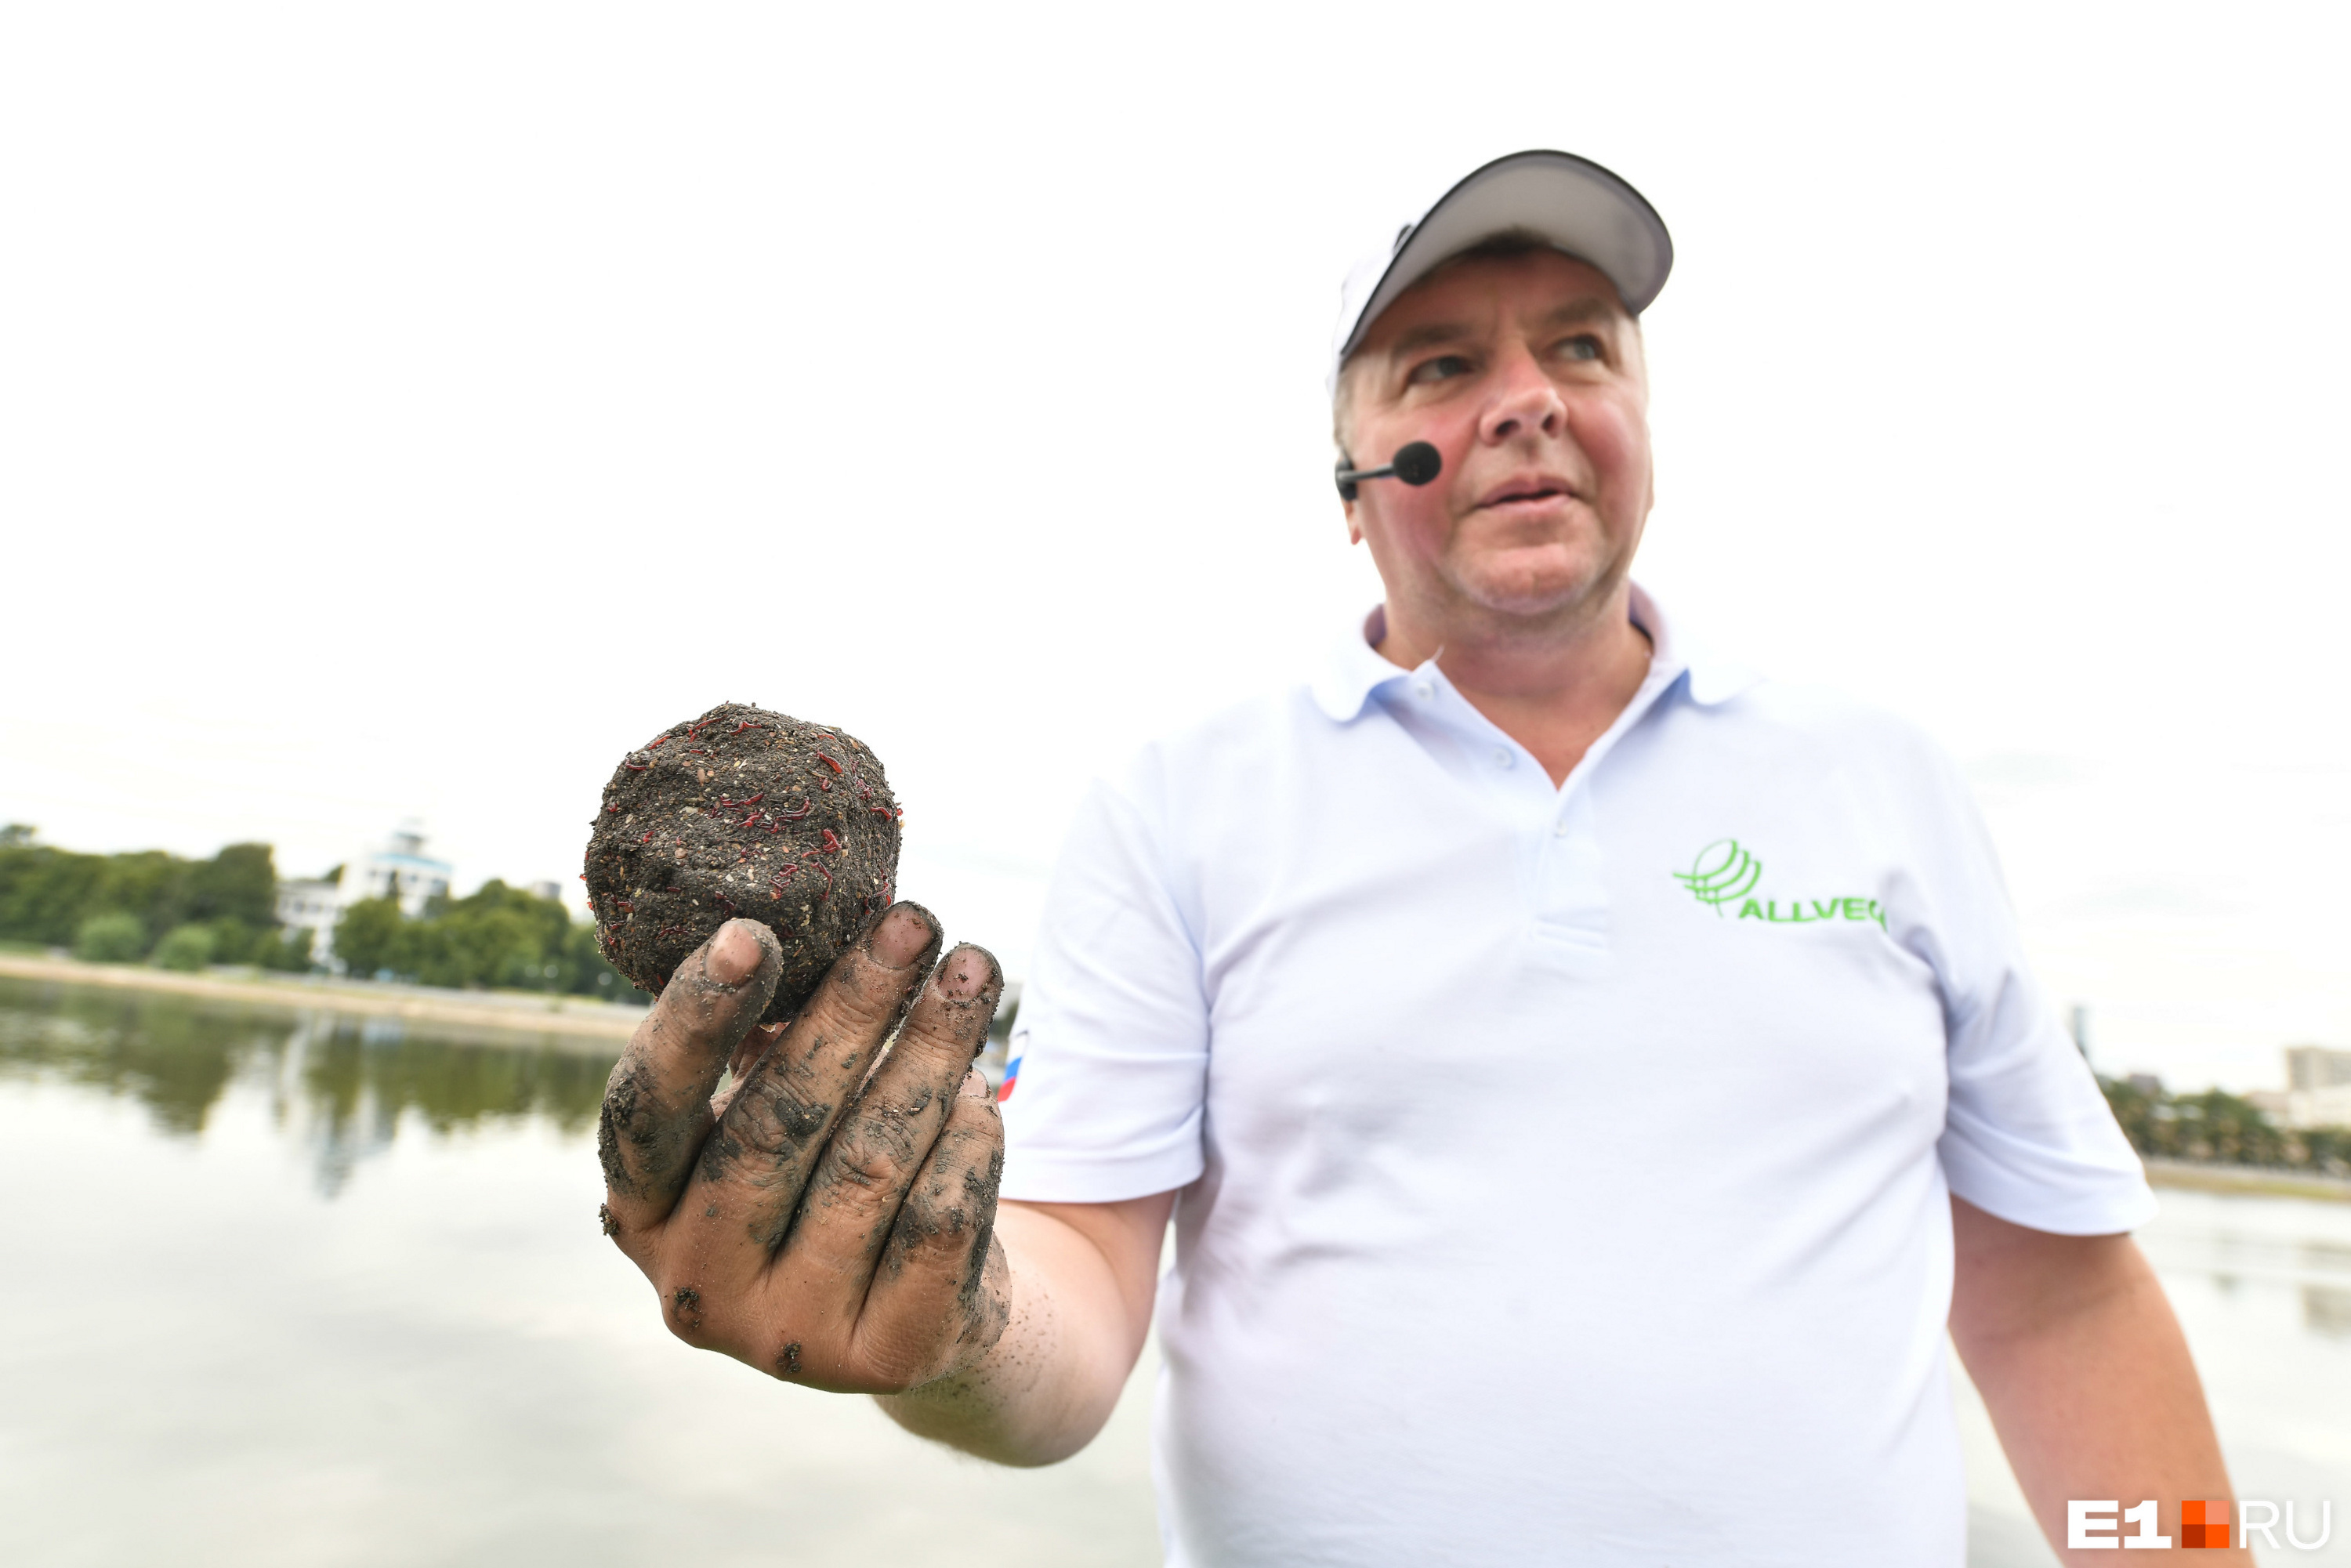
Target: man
[{"x": 1585, "y": 1079}]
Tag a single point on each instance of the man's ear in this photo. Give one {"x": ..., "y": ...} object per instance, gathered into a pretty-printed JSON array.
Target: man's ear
[{"x": 1347, "y": 495}]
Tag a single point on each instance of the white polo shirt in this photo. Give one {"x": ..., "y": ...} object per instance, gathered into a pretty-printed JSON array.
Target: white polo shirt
[{"x": 1563, "y": 1171}]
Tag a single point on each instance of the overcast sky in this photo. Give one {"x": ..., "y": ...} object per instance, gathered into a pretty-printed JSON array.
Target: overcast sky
[{"x": 405, "y": 410}]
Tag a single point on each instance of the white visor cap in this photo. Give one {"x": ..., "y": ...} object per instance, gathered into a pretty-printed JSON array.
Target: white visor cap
[{"x": 1570, "y": 203}]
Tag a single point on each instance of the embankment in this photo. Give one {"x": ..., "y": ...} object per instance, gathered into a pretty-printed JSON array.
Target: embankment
[{"x": 515, "y": 1012}]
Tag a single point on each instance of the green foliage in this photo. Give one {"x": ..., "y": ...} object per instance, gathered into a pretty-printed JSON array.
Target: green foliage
[
  {"x": 500, "y": 936},
  {"x": 185, "y": 947},
  {"x": 119, "y": 908},
  {"x": 367, "y": 938},
  {"x": 2222, "y": 1127},
  {"x": 233, "y": 941},
  {"x": 115, "y": 938},
  {"x": 288, "y": 949},
  {"x": 47, "y": 894},
  {"x": 239, "y": 884}
]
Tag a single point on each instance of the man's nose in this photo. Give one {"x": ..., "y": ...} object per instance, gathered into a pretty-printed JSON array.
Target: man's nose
[{"x": 1525, "y": 403}]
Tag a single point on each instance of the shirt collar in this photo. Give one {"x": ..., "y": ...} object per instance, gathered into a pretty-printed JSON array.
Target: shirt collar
[{"x": 1353, "y": 671}]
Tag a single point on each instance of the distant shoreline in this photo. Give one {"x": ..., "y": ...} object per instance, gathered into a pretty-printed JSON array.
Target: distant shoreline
[
  {"x": 506, "y": 1012},
  {"x": 2263, "y": 1181},
  {"x": 579, "y": 1019}
]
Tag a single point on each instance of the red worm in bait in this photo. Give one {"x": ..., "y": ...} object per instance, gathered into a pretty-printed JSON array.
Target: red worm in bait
[{"x": 809, "y": 855}]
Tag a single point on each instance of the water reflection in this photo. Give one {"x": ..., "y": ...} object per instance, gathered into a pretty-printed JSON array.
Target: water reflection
[
  {"x": 456, "y": 1331},
  {"x": 2326, "y": 1310},
  {"x": 342, "y": 1085},
  {"x": 441, "y": 1360}
]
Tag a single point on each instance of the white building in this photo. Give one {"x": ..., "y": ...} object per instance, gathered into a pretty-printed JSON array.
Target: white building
[
  {"x": 398, "y": 868},
  {"x": 310, "y": 905},
  {"x": 2317, "y": 1087}
]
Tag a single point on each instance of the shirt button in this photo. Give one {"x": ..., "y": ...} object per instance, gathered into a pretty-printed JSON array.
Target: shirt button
[
  {"x": 1502, "y": 757},
  {"x": 1559, "y": 830},
  {"x": 1424, "y": 691}
]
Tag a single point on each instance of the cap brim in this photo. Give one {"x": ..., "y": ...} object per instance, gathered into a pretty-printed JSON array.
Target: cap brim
[{"x": 1569, "y": 203}]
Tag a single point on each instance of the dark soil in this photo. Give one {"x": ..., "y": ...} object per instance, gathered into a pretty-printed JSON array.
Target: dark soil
[{"x": 748, "y": 812}]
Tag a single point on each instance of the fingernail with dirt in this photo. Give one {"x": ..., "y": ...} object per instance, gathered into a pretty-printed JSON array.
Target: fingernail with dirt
[
  {"x": 969, "y": 971},
  {"x": 903, "y": 935},
  {"x": 975, "y": 1087},
  {"x": 734, "y": 954}
]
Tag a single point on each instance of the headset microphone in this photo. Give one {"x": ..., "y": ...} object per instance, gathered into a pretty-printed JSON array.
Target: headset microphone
[{"x": 1415, "y": 463}]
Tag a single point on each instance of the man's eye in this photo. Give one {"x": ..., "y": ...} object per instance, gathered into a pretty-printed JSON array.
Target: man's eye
[
  {"x": 1445, "y": 367},
  {"x": 1583, "y": 346}
]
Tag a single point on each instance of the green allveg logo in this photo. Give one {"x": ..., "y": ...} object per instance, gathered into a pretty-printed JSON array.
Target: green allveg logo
[{"x": 1726, "y": 872}]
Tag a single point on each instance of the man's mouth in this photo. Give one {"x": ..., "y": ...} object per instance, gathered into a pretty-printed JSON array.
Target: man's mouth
[{"x": 1517, "y": 492}]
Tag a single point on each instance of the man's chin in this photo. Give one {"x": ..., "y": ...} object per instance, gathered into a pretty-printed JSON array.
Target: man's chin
[{"x": 1535, "y": 594}]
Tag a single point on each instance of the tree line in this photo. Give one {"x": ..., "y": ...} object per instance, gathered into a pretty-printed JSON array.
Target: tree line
[
  {"x": 152, "y": 907},
  {"x": 150, "y": 904},
  {"x": 499, "y": 935},
  {"x": 2222, "y": 1127}
]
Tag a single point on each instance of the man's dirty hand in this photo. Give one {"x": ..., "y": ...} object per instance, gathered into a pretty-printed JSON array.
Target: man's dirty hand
[{"x": 831, "y": 1218}]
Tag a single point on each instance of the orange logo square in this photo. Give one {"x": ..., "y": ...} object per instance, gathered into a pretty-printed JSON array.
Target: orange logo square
[{"x": 2203, "y": 1524}]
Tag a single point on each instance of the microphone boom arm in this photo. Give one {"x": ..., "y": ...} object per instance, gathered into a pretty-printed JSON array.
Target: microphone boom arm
[{"x": 1415, "y": 463}]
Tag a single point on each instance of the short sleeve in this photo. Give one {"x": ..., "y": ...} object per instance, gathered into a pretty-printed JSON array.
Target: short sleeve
[
  {"x": 2028, "y": 1136},
  {"x": 1111, "y": 1044}
]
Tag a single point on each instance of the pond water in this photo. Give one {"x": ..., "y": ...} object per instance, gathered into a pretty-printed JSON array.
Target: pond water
[
  {"x": 311, "y": 1290},
  {"x": 297, "y": 1289},
  {"x": 2263, "y": 1286}
]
